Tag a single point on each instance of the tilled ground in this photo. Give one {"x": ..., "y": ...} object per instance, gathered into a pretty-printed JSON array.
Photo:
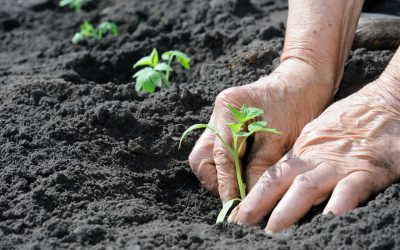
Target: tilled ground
[{"x": 86, "y": 162}]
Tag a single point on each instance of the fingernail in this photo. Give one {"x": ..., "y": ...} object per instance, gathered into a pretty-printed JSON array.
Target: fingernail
[{"x": 269, "y": 232}]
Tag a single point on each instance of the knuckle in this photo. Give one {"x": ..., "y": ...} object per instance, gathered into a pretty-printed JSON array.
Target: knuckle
[
  {"x": 247, "y": 213},
  {"x": 226, "y": 95},
  {"x": 220, "y": 156},
  {"x": 271, "y": 177},
  {"x": 346, "y": 185},
  {"x": 304, "y": 184},
  {"x": 194, "y": 160}
]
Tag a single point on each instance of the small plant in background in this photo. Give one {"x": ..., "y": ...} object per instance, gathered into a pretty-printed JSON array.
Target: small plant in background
[
  {"x": 72, "y": 4},
  {"x": 156, "y": 72},
  {"x": 88, "y": 31},
  {"x": 239, "y": 134}
]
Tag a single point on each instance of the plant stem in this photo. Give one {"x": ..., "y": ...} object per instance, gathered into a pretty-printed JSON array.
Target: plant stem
[
  {"x": 169, "y": 65},
  {"x": 242, "y": 186}
]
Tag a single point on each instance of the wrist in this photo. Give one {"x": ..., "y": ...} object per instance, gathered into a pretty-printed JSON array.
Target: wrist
[
  {"x": 387, "y": 86},
  {"x": 307, "y": 84},
  {"x": 320, "y": 33}
]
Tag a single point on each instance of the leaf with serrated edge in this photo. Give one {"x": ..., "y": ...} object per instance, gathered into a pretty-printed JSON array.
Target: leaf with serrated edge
[
  {"x": 236, "y": 113},
  {"x": 251, "y": 113},
  {"x": 236, "y": 127},
  {"x": 226, "y": 208},
  {"x": 243, "y": 134},
  {"x": 255, "y": 125},
  {"x": 191, "y": 128}
]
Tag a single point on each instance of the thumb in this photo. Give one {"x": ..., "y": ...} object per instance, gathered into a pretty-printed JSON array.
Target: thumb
[{"x": 227, "y": 172}]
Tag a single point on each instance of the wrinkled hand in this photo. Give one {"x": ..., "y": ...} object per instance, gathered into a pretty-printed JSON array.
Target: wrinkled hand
[
  {"x": 348, "y": 153},
  {"x": 291, "y": 96}
]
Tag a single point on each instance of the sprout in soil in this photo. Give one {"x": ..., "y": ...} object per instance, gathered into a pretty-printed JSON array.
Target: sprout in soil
[
  {"x": 155, "y": 72},
  {"x": 239, "y": 135},
  {"x": 72, "y": 4},
  {"x": 88, "y": 31}
]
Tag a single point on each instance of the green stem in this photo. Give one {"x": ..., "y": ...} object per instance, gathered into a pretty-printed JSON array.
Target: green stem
[
  {"x": 242, "y": 186},
  {"x": 169, "y": 66}
]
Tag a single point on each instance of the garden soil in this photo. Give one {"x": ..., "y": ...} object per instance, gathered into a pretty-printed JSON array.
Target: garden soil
[{"x": 86, "y": 162}]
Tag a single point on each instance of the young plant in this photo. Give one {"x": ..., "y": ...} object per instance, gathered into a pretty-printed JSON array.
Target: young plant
[
  {"x": 240, "y": 132},
  {"x": 72, "y": 4},
  {"x": 88, "y": 31},
  {"x": 156, "y": 72}
]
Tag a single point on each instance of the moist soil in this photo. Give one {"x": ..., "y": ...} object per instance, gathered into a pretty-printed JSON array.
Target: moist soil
[{"x": 86, "y": 162}]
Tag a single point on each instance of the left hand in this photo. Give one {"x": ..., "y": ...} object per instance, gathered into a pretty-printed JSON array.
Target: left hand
[{"x": 348, "y": 153}]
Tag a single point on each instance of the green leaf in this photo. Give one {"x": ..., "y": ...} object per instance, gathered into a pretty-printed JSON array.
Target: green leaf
[
  {"x": 107, "y": 26},
  {"x": 87, "y": 30},
  {"x": 154, "y": 58},
  {"x": 144, "y": 61},
  {"x": 142, "y": 71},
  {"x": 236, "y": 113},
  {"x": 243, "y": 134},
  {"x": 235, "y": 127},
  {"x": 156, "y": 79},
  {"x": 72, "y": 4},
  {"x": 162, "y": 67},
  {"x": 191, "y": 128},
  {"x": 227, "y": 207},
  {"x": 166, "y": 55},
  {"x": 261, "y": 126},
  {"x": 182, "y": 58},
  {"x": 151, "y": 60},
  {"x": 250, "y": 113},
  {"x": 147, "y": 80},
  {"x": 257, "y": 125},
  {"x": 64, "y": 3},
  {"x": 78, "y": 37}
]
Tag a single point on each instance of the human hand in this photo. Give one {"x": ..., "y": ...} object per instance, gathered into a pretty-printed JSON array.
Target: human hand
[
  {"x": 291, "y": 96},
  {"x": 348, "y": 153}
]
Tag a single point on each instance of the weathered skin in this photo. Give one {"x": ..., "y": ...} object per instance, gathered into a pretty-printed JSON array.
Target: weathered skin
[
  {"x": 350, "y": 149},
  {"x": 294, "y": 94}
]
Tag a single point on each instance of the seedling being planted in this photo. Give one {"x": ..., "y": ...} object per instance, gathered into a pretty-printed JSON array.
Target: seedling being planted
[
  {"x": 88, "y": 31},
  {"x": 157, "y": 72},
  {"x": 72, "y": 4},
  {"x": 240, "y": 132}
]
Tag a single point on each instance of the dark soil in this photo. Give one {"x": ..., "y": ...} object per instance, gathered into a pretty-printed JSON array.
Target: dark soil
[{"x": 86, "y": 162}]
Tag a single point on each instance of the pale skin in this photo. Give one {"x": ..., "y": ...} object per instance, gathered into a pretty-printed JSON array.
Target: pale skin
[{"x": 342, "y": 155}]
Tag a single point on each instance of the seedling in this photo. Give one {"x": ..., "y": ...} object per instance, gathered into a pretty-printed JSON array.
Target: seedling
[
  {"x": 156, "y": 72},
  {"x": 72, "y": 4},
  {"x": 88, "y": 31},
  {"x": 239, "y": 135}
]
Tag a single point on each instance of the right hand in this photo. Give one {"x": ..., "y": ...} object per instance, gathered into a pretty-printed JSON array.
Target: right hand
[{"x": 294, "y": 94}]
